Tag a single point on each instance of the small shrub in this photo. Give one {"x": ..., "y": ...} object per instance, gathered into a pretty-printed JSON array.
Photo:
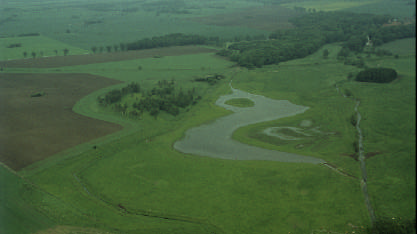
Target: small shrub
[
  {"x": 37, "y": 94},
  {"x": 353, "y": 120}
]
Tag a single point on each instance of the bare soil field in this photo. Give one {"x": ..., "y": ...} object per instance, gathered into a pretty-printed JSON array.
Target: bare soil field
[
  {"x": 72, "y": 60},
  {"x": 268, "y": 18},
  {"x": 34, "y": 128}
]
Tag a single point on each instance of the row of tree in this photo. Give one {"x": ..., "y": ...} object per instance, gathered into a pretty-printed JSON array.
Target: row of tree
[
  {"x": 174, "y": 39},
  {"x": 34, "y": 54}
]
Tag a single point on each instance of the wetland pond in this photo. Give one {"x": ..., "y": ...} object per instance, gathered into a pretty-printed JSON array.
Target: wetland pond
[{"x": 215, "y": 139}]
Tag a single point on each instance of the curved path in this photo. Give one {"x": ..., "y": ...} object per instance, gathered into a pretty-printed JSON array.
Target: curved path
[{"x": 215, "y": 139}]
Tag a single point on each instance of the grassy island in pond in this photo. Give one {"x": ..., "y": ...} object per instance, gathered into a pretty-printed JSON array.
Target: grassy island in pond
[{"x": 240, "y": 102}]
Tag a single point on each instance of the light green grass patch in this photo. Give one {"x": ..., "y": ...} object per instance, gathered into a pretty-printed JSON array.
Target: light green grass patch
[
  {"x": 328, "y": 5},
  {"x": 240, "y": 102},
  {"x": 403, "y": 47},
  {"x": 19, "y": 200},
  {"x": 37, "y": 44}
]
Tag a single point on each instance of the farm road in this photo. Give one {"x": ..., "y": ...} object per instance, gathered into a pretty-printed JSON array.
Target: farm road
[{"x": 215, "y": 139}]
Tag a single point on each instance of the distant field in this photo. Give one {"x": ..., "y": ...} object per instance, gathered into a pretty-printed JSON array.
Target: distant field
[
  {"x": 404, "y": 47},
  {"x": 399, "y": 9},
  {"x": 34, "y": 128},
  {"x": 265, "y": 18},
  {"x": 329, "y": 5},
  {"x": 72, "y": 60},
  {"x": 41, "y": 45},
  {"x": 84, "y": 24}
]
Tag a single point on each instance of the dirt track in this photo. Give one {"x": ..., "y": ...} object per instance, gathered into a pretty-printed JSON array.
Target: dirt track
[
  {"x": 34, "y": 128},
  {"x": 72, "y": 60}
]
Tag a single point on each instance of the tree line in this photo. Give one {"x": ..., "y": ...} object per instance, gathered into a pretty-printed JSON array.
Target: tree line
[
  {"x": 173, "y": 39},
  {"x": 164, "y": 97},
  {"x": 312, "y": 31}
]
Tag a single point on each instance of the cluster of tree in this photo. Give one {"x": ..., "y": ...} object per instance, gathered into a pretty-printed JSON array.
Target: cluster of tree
[
  {"x": 29, "y": 35},
  {"x": 14, "y": 45},
  {"x": 165, "y": 97},
  {"x": 313, "y": 31},
  {"x": 116, "y": 95},
  {"x": 377, "y": 75},
  {"x": 211, "y": 79}
]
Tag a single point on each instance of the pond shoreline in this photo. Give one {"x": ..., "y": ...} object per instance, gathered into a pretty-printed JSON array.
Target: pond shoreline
[{"x": 215, "y": 139}]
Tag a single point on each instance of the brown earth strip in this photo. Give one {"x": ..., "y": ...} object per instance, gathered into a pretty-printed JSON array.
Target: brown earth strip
[
  {"x": 269, "y": 18},
  {"x": 72, "y": 60},
  {"x": 34, "y": 128}
]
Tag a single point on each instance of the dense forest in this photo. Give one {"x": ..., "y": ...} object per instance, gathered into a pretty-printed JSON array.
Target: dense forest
[{"x": 312, "y": 31}]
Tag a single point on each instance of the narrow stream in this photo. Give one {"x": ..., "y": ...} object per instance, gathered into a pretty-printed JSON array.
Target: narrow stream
[
  {"x": 362, "y": 160},
  {"x": 363, "y": 166}
]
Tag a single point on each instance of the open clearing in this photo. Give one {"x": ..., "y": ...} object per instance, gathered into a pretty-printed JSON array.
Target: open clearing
[
  {"x": 34, "y": 128},
  {"x": 72, "y": 60},
  {"x": 266, "y": 18}
]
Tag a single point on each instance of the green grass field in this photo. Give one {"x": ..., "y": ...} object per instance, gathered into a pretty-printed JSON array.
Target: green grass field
[
  {"x": 133, "y": 181},
  {"x": 19, "y": 199},
  {"x": 388, "y": 123},
  {"x": 154, "y": 178}
]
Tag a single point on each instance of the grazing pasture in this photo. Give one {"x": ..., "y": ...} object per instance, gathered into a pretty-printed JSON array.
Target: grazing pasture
[
  {"x": 86, "y": 168},
  {"x": 34, "y": 128}
]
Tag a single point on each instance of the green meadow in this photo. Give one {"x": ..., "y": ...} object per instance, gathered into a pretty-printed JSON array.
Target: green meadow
[{"x": 134, "y": 181}]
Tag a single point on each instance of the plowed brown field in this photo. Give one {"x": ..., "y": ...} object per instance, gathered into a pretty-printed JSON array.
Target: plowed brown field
[
  {"x": 72, "y": 60},
  {"x": 34, "y": 128}
]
